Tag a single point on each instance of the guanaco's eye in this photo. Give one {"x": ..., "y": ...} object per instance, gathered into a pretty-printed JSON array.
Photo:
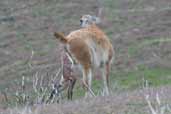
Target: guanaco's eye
[{"x": 81, "y": 21}]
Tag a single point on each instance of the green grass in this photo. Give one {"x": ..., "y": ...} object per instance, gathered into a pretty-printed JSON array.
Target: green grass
[
  {"x": 135, "y": 79},
  {"x": 97, "y": 86},
  {"x": 130, "y": 80},
  {"x": 134, "y": 48}
]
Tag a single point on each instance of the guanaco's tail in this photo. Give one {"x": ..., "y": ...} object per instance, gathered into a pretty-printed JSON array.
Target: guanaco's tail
[{"x": 61, "y": 37}]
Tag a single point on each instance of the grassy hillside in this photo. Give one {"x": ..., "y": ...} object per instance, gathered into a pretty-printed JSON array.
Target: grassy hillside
[{"x": 140, "y": 31}]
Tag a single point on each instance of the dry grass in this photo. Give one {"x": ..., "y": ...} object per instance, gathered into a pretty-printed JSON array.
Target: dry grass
[{"x": 119, "y": 103}]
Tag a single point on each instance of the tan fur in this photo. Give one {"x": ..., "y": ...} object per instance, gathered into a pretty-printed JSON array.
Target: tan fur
[
  {"x": 90, "y": 48},
  {"x": 79, "y": 42}
]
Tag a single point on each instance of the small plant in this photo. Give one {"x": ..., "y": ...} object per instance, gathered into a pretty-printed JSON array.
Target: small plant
[
  {"x": 158, "y": 108},
  {"x": 39, "y": 94}
]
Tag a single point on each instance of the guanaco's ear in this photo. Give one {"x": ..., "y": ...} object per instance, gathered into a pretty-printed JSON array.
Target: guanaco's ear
[{"x": 96, "y": 19}]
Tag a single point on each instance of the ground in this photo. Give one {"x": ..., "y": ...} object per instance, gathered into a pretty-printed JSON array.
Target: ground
[{"x": 139, "y": 30}]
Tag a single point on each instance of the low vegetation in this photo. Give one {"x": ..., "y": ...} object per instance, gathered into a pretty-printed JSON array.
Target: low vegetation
[{"x": 139, "y": 31}]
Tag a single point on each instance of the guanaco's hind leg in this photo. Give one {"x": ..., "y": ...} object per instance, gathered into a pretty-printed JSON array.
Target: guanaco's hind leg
[
  {"x": 87, "y": 79},
  {"x": 70, "y": 88},
  {"x": 105, "y": 75}
]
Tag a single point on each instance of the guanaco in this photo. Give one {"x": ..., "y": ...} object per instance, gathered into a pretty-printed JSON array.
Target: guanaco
[{"x": 90, "y": 48}]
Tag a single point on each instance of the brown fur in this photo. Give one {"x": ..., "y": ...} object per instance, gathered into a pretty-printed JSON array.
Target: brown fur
[
  {"x": 86, "y": 46},
  {"x": 78, "y": 47},
  {"x": 61, "y": 37}
]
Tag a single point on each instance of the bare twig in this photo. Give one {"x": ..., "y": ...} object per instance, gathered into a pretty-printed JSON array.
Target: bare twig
[
  {"x": 31, "y": 57},
  {"x": 35, "y": 82},
  {"x": 150, "y": 105},
  {"x": 158, "y": 108},
  {"x": 100, "y": 7}
]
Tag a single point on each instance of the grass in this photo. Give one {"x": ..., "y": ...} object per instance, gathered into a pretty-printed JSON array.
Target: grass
[
  {"x": 121, "y": 18},
  {"x": 130, "y": 80},
  {"x": 134, "y": 48},
  {"x": 134, "y": 79},
  {"x": 97, "y": 86}
]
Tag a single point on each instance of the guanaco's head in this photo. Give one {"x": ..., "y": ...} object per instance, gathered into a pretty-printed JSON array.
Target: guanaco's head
[{"x": 87, "y": 20}]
